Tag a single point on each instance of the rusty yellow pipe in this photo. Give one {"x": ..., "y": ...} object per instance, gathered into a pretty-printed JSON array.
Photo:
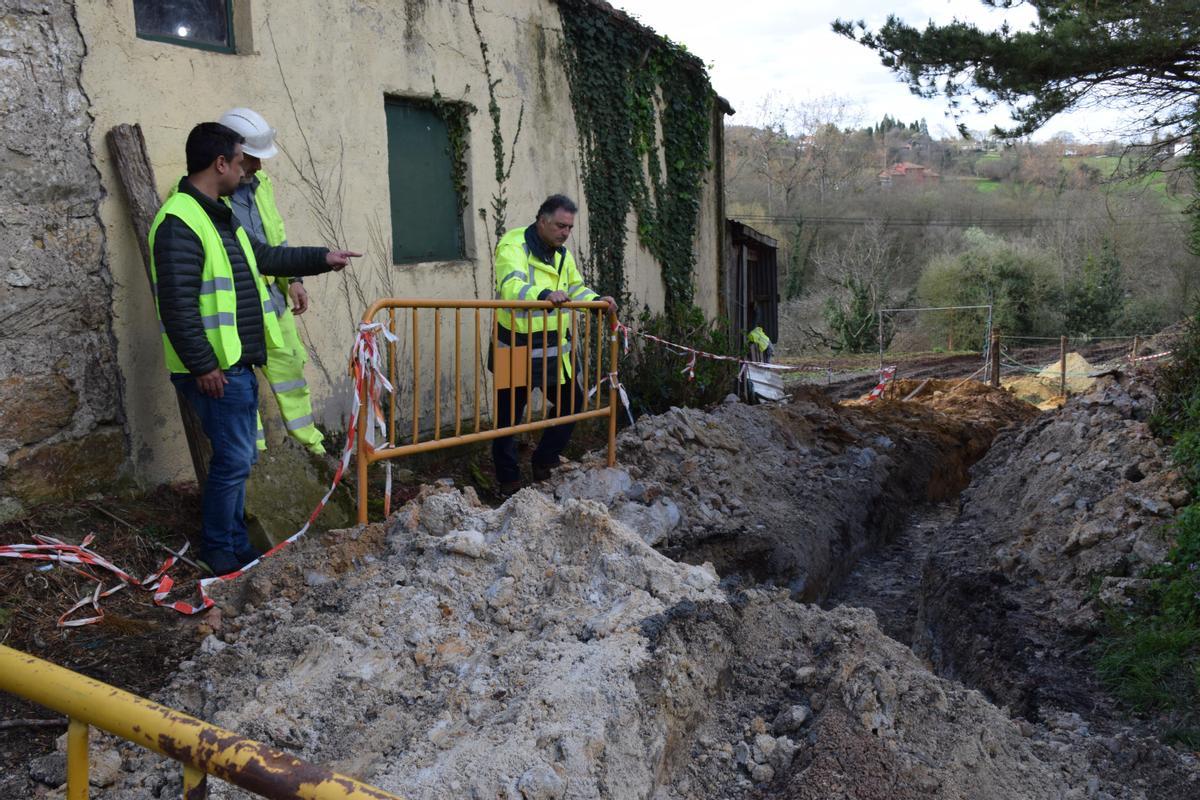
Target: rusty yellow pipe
[
  {"x": 77, "y": 760},
  {"x": 243, "y": 762},
  {"x": 195, "y": 783}
]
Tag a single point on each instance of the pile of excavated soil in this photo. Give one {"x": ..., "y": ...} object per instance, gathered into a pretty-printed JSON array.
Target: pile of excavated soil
[
  {"x": 1062, "y": 519},
  {"x": 969, "y": 401},
  {"x": 545, "y": 650},
  {"x": 790, "y": 494},
  {"x": 1044, "y": 388},
  {"x": 542, "y": 650}
]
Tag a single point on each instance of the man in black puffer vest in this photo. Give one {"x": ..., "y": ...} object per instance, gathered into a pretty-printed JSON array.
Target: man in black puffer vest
[{"x": 216, "y": 319}]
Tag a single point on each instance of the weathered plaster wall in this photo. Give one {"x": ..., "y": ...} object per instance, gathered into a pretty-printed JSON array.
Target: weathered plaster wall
[
  {"x": 60, "y": 396},
  {"x": 337, "y": 60}
]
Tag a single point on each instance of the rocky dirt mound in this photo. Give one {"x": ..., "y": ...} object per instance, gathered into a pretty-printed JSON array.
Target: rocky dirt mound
[
  {"x": 1063, "y": 517},
  {"x": 791, "y": 494},
  {"x": 543, "y": 650},
  {"x": 969, "y": 401}
]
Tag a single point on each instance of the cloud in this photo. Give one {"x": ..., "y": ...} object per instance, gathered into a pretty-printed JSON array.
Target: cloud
[{"x": 789, "y": 50}]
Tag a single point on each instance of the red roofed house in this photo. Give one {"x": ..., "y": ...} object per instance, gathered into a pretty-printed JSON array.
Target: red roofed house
[{"x": 907, "y": 173}]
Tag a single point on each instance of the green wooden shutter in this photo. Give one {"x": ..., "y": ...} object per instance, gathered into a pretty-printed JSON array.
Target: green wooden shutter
[{"x": 426, "y": 225}]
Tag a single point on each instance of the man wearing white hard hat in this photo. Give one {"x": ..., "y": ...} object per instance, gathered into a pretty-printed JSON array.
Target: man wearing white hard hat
[{"x": 253, "y": 204}]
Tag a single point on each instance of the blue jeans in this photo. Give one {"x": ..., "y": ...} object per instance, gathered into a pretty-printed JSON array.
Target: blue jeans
[{"x": 230, "y": 424}]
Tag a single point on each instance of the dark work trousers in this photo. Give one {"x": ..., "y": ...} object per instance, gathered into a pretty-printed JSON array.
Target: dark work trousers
[{"x": 554, "y": 440}]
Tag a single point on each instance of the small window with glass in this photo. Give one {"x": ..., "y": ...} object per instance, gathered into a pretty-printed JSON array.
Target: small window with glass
[{"x": 207, "y": 24}]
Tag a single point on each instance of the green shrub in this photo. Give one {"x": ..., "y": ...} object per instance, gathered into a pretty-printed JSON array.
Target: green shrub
[
  {"x": 1017, "y": 280},
  {"x": 853, "y": 319},
  {"x": 1151, "y": 654},
  {"x": 1177, "y": 386},
  {"x": 1143, "y": 314},
  {"x": 1095, "y": 298},
  {"x": 653, "y": 376}
]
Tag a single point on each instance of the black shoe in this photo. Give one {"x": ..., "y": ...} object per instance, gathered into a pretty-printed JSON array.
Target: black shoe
[
  {"x": 507, "y": 489},
  {"x": 244, "y": 557},
  {"x": 541, "y": 472},
  {"x": 221, "y": 562}
]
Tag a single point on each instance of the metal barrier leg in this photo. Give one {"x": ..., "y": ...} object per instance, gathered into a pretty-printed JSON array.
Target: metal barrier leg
[
  {"x": 195, "y": 783},
  {"x": 613, "y": 398},
  {"x": 77, "y": 760},
  {"x": 362, "y": 459}
]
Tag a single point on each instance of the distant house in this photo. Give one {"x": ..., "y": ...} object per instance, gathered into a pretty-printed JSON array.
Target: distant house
[{"x": 906, "y": 173}]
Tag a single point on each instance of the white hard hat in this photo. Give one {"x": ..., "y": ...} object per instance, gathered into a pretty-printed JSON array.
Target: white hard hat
[{"x": 259, "y": 136}]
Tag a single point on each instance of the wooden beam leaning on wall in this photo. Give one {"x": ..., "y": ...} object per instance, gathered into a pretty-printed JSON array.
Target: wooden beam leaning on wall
[{"x": 127, "y": 146}]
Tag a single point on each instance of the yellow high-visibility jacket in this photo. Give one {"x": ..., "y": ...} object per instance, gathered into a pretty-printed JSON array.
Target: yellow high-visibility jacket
[
  {"x": 759, "y": 337},
  {"x": 521, "y": 275}
]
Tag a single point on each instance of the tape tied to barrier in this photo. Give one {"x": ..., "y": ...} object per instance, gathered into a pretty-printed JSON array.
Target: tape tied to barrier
[{"x": 368, "y": 372}]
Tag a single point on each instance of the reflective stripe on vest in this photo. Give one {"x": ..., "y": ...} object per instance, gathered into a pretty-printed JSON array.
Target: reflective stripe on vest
[{"x": 218, "y": 296}]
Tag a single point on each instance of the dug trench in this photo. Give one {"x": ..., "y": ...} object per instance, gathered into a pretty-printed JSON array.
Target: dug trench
[{"x": 653, "y": 630}]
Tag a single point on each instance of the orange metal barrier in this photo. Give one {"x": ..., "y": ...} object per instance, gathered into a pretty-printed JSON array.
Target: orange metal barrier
[{"x": 513, "y": 368}]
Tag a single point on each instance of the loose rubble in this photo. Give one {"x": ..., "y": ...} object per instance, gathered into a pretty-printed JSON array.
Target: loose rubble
[
  {"x": 792, "y": 494},
  {"x": 1062, "y": 520},
  {"x": 644, "y": 631},
  {"x": 562, "y": 657}
]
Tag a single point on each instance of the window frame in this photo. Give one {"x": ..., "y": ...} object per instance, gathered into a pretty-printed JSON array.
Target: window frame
[
  {"x": 463, "y": 253},
  {"x": 230, "y": 49}
]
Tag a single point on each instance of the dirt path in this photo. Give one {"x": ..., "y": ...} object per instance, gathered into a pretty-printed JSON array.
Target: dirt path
[
  {"x": 851, "y": 384},
  {"x": 888, "y": 580}
]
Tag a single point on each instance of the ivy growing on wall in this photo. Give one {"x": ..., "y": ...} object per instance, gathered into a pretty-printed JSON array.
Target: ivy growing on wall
[
  {"x": 503, "y": 172},
  {"x": 455, "y": 113},
  {"x": 643, "y": 106}
]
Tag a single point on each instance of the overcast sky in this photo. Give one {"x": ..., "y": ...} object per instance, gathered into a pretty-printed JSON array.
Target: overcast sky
[{"x": 786, "y": 48}]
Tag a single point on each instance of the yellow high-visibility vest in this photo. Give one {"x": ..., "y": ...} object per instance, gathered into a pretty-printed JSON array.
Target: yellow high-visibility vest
[
  {"x": 272, "y": 221},
  {"x": 218, "y": 296}
]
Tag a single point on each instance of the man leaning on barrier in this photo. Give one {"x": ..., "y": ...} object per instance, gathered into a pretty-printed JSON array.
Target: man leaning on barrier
[
  {"x": 217, "y": 322},
  {"x": 533, "y": 263}
]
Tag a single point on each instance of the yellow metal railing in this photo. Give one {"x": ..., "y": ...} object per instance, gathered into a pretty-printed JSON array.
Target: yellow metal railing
[
  {"x": 203, "y": 749},
  {"x": 513, "y": 369}
]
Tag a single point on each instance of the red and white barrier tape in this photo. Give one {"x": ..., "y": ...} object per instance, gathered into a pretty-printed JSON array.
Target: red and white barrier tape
[
  {"x": 366, "y": 367},
  {"x": 612, "y": 378},
  {"x": 47, "y": 548},
  {"x": 692, "y": 354},
  {"x": 885, "y": 376},
  {"x": 1163, "y": 354}
]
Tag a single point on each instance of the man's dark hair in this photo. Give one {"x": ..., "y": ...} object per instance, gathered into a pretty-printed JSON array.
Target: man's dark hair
[
  {"x": 207, "y": 141},
  {"x": 555, "y": 202}
]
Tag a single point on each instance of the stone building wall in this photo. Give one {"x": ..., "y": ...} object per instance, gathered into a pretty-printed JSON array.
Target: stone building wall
[{"x": 60, "y": 389}]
